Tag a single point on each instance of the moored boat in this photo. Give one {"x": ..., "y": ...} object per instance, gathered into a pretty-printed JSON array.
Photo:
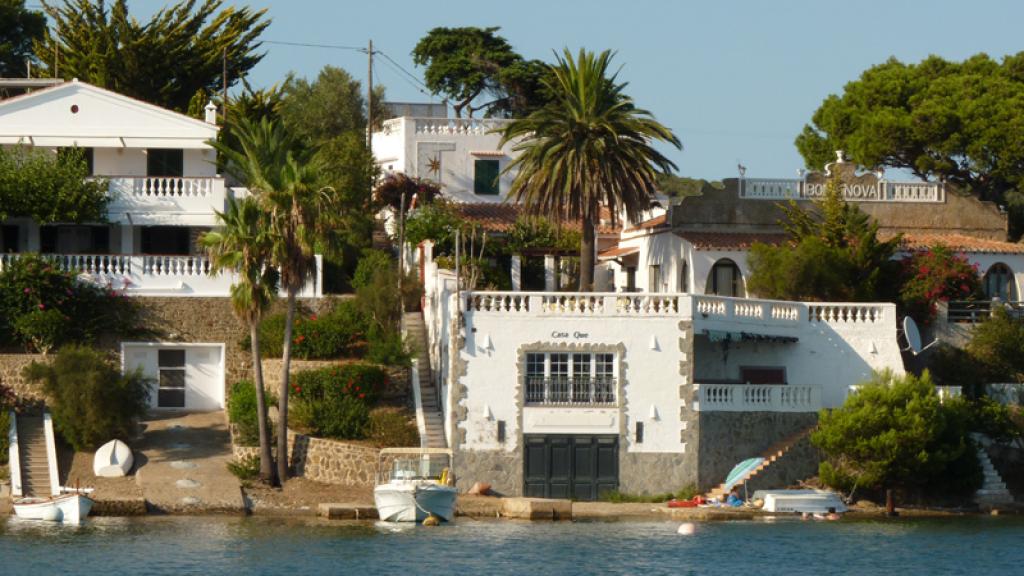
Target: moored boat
[
  {"x": 801, "y": 501},
  {"x": 68, "y": 508},
  {"x": 414, "y": 484}
]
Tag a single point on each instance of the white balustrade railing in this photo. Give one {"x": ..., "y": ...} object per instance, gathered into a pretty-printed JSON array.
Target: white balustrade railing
[
  {"x": 573, "y": 303},
  {"x": 846, "y": 313},
  {"x": 882, "y": 191},
  {"x": 757, "y": 398},
  {"x": 153, "y": 275},
  {"x": 456, "y": 126}
]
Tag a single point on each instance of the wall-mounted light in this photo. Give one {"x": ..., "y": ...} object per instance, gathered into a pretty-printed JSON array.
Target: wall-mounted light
[
  {"x": 873, "y": 349},
  {"x": 652, "y": 414},
  {"x": 653, "y": 345},
  {"x": 488, "y": 415},
  {"x": 487, "y": 343}
]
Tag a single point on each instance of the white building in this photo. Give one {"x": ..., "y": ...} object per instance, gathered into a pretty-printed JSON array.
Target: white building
[
  {"x": 163, "y": 184},
  {"x": 164, "y": 193}
]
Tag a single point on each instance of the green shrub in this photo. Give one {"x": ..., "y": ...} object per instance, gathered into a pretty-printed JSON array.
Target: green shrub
[
  {"x": 6, "y": 403},
  {"x": 339, "y": 333},
  {"x": 243, "y": 414},
  {"x": 334, "y": 402},
  {"x": 998, "y": 344},
  {"x": 388, "y": 349},
  {"x": 686, "y": 493},
  {"x": 246, "y": 468},
  {"x": 35, "y": 296},
  {"x": 91, "y": 401},
  {"x": 392, "y": 427},
  {"x": 995, "y": 421},
  {"x": 370, "y": 262},
  {"x": 896, "y": 433}
]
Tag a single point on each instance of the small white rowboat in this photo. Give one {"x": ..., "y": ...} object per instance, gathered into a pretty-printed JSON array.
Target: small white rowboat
[
  {"x": 67, "y": 508},
  {"x": 112, "y": 460}
]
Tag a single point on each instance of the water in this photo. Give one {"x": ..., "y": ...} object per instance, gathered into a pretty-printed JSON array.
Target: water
[{"x": 218, "y": 545}]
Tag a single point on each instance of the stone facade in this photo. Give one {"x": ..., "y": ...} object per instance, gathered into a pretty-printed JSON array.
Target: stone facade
[
  {"x": 502, "y": 469},
  {"x": 726, "y": 438},
  {"x": 11, "y": 366},
  {"x": 333, "y": 462}
]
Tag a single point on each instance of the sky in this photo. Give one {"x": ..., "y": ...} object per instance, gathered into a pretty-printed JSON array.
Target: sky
[{"x": 735, "y": 80}]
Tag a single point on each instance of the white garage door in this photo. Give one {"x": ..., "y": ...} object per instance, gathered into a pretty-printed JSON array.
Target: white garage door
[{"x": 184, "y": 376}]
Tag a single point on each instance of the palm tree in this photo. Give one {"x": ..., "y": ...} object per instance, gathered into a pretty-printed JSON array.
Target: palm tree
[
  {"x": 589, "y": 147},
  {"x": 300, "y": 217},
  {"x": 242, "y": 245}
]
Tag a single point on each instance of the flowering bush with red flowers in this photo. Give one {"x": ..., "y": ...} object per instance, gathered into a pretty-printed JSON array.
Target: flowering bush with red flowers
[
  {"x": 933, "y": 275},
  {"x": 334, "y": 402},
  {"x": 42, "y": 306}
]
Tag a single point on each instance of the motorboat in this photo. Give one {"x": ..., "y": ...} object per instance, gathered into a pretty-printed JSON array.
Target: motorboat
[
  {"x": 414, "y": 484},
  {"x": 801, "y": 501},
  {"x": 112, "y": 460},
  {"x": 69, "y": 508}
]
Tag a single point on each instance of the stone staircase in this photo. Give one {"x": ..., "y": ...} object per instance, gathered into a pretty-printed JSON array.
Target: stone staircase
[
  {"x": 35, "y": 466},
  {"x": 772, "y": 455},
  {"x": 993, "y": 492},
  {"x": 416, "y": 336}
]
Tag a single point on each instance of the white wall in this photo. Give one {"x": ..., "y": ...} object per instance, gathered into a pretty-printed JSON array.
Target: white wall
[{"x": 204, "y": 371}]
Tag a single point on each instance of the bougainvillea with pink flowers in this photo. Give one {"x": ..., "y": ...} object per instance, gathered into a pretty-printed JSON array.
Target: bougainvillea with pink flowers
[{"x": 935, "y": 275}]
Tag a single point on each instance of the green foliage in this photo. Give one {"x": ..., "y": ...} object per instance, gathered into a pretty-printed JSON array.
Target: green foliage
[
  {"x": 20, "y": 28},
  {"x": 91, "y": 401},
  {"x": 339, "y": 333},
  {"x": 998, "y": 345},
  {"x": 534, "y": 233},
  {"x": 680, "y": 186},
  {"x": 49, "y": 187},
  {"x": 243, "y": 414},
  {"x": 392, "y": 428},
  {"x": 953, "y": 366},
  {"x": 41, "y": 306},
  {"x": 330, "y": 106},
  {"x": 685, "y": 493},
  {"x": 7, "y": 401},
  {"x": 589, "y": 147},
  {"x": 164, "y": 61},
  {"x": 246, "y": 468},
  {"x": 933, "y": 275},
  {"x": 895, "y": 433},
  {"x": 437, "y": 221},
  {"x": 833, "y": 254},
  {"x": 334, "y": 402},
  {"x": 995, "y": 421},
  {"x": 952, "y": 121},
  {"x": 464, "y": 63},
  {"x": 387, "y": 348},
  {"x": 370, "y": 263}
]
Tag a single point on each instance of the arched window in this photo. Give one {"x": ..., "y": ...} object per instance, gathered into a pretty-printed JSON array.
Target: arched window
[
  {"x": 999, "y": 282},
  {"x": 725, "y": 279}
]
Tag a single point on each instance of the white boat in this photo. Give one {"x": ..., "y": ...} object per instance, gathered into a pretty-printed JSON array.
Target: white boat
[
  {"x": 67, "y": 508},
  {"x": 112, "y": 460},
  {"x": 801, "y": 501},
  {"x": 414, "y": 484}
]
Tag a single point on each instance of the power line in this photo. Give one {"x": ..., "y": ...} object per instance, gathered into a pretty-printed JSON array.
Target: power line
[
  {"x": 310, "y": 45},
  {"x": 406, "y": 80},
  {"x": 406, "y": 72}
]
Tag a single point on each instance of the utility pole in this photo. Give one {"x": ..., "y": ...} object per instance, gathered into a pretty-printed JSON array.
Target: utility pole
[
  {"x": 225, "y": 78},
  {"x": 369, "y": 96}
]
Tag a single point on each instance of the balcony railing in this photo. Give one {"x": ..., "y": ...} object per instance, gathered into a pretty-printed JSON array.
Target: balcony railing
[
  {"x": 154, "y": 199},
  {"x": 574, "y": 391},
  {"x": 882, "y": 191},
  {"x": 974, "y": 311},
  {"x": 153, "y": 275},
  {"x": 757, "y": 398}
]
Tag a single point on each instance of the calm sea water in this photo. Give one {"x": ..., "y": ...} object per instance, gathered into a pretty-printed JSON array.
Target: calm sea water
[{"x": 172, "y": 545}]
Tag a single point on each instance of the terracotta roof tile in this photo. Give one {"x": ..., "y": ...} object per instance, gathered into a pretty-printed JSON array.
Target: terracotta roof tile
[
  {"x": 500, "y": 216},
  {"x": 616, "y": 251},
  {"x": 957, "y": 242},
  {"x": 656, "y": 222},
  {"x": 729, "y": 240}
]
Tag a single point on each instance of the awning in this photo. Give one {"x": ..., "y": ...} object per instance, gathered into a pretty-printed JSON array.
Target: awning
[
  {"x": 618, "y": 252},
  {"x": 735, "y": 336}
]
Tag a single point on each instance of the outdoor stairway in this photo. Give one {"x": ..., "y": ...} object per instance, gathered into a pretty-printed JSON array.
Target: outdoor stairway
[
  {"x": 416, "y": 335},
  {"x": 380, "y": 240},
  {"x": 35, "y": 467},
  {"x": 777, "y": 451},
  {"x": 993, "y": 491}
]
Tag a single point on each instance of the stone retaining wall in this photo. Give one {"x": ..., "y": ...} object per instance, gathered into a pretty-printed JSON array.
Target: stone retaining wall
[
  {"x": 322, "y": 459},
  {"x": 11, "y": 366}
]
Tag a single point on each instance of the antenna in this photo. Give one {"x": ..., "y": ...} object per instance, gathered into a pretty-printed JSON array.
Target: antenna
[{"x": 913, "y": 337}]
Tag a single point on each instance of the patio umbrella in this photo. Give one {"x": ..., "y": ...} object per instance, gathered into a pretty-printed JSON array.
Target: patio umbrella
[{"x": 740, "y": 471}]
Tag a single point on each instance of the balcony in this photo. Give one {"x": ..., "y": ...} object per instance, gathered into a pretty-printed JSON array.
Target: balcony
[
  {"x": 154, "y": 275},
  {"x": 883, "y": 191},
  {"x": 159, "y": 200},
  {"x": 757, "y": 398},
  {"x": 599, "y": 391}
]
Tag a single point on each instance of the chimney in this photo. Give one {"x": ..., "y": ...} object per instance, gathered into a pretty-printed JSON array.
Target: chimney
[{"x": 211, "y": 113}]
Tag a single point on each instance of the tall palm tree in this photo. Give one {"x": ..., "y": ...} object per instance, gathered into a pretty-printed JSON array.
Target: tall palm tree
[
  {"x": 300, "y": 218},
  {"x": 589, "y": 147},
  {"x": 242, "y": 245}
]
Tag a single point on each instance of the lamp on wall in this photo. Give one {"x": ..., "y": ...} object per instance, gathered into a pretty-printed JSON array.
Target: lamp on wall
[
  {"x": 487, "y": 344},
  {"x": 652, "y": 414},
  {"x": 488, "y": 415},
  {"x": 873, "y": 349},
  {"x": 653, "y": 345}
]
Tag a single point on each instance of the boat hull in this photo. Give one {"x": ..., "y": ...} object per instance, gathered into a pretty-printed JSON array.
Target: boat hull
[
  {"x": 112, "y": 460},
  {"x": 70, "y": 508},
  {"x": 801, "y": 501},
  {"x": 414, "y": 502}
]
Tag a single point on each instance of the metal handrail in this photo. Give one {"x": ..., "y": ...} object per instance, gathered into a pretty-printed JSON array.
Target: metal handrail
[{"x": 570, "y": 391}]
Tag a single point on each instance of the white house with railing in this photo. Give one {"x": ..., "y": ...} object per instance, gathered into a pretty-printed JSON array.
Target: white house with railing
[
  {"x": 164, "y": 190},
  {"x": 570, "y": 394}
]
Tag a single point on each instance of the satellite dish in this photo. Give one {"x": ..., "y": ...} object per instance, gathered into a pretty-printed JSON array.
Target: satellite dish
[{"x": 913, "y": 336}]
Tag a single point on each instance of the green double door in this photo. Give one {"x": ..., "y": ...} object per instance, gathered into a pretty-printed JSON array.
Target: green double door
[{"x": 570, "y": 466}]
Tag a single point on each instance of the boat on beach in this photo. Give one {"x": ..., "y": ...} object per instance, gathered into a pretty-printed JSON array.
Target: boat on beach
[
  {"x": 112, "y": 460},
  {"x": 68, "y": 508},
  {"x": 801, "y": 501},
  {"x": 415, "y": 484}
]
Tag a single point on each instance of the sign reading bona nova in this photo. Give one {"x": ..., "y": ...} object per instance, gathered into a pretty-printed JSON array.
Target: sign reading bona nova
[{"x": 577, "y": 334}]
